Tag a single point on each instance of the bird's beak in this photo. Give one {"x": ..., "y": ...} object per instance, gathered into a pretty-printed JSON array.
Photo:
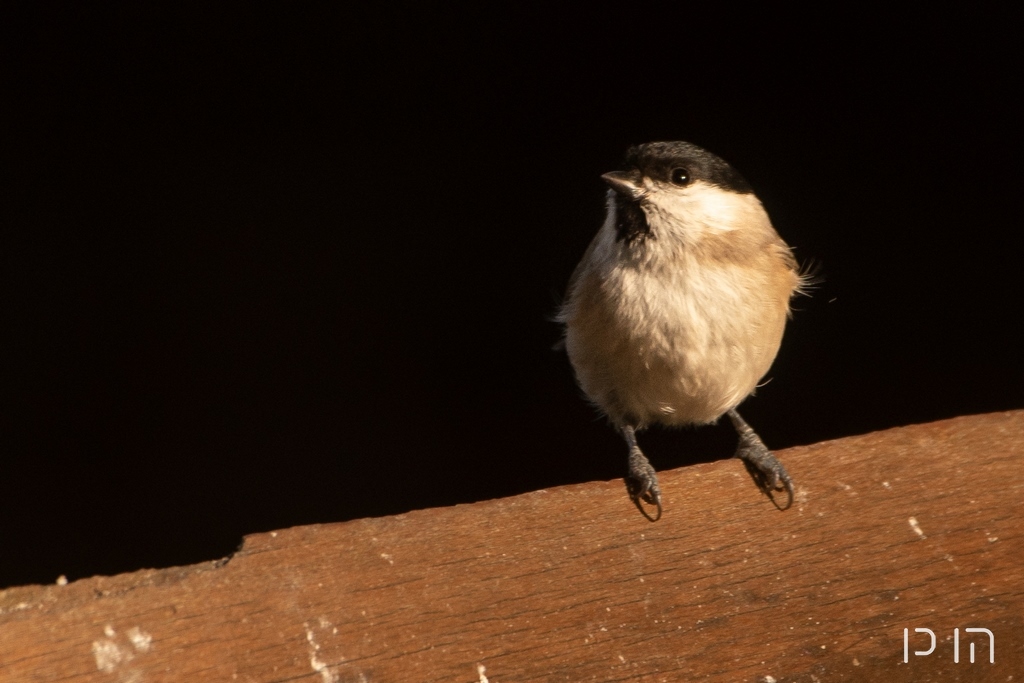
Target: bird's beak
[{"x": 625, "y": 183}]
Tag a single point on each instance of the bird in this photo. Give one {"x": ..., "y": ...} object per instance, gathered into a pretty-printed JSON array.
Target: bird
[{"x": 677, "y": 309}]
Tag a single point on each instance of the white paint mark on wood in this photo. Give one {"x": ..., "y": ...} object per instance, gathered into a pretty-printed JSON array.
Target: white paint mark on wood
[
  {"x": 108, "y": 655},
  {"x": 318, "y": 665},
  {"x": 141, "y": 640},
  {"x": 916, "y": 527}
]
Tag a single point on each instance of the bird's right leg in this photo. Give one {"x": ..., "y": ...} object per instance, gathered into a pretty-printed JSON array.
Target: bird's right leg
[
  {"x": 641, "y": 481},
  {"x": 766, "y": 470}
]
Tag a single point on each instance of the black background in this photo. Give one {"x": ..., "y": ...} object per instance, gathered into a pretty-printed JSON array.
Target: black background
[{"x": 263, "y": 268}]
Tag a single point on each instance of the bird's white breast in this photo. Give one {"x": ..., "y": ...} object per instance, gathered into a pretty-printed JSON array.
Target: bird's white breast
[{"x": 665, "y": 334}]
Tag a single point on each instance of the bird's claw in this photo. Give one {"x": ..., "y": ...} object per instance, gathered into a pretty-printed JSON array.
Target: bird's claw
[
  {"x": 765, "y": 469},
  {"x": 642, "y": 485}
]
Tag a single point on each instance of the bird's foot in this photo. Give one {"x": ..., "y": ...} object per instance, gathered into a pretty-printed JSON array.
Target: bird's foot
[
  {"x": 765, "y": 469},
  {"x": 642, "y": 484}
]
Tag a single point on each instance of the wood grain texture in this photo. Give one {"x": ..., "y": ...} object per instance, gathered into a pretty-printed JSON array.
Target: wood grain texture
[{"x": 912, "y": 527}]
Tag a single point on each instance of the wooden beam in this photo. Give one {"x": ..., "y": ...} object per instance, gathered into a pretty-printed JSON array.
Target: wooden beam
[{"x": 916, "y": 527}]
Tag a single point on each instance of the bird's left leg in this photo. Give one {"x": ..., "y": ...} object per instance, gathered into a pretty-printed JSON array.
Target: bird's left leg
[
  {"x": 641, "y": 481},
  {"x": 765, "y": 469}
]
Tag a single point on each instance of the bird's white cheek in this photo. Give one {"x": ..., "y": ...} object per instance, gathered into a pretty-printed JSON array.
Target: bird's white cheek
[{"x": 702, "y": 209}]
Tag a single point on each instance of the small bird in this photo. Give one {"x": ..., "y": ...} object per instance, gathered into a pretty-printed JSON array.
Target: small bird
[{"x": 677, "y": 309}]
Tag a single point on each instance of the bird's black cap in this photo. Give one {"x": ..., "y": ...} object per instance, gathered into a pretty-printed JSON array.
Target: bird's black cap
[{"x": 656, "y": 160}]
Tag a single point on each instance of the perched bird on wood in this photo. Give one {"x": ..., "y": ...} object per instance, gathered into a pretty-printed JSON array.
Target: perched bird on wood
[{"x": 677, "y": 309}]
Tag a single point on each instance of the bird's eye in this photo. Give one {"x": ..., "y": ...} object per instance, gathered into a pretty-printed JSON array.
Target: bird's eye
[{"x": 680, "y": 177}]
